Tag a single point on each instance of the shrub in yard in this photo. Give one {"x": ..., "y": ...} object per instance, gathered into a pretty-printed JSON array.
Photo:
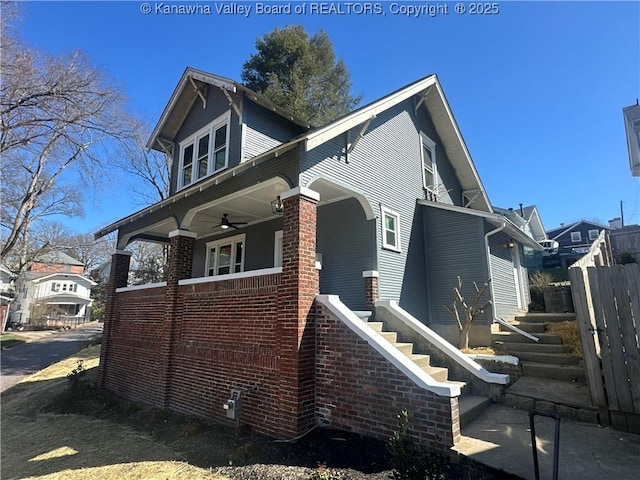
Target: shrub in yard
[
  {"x": 77, "y": 382},
  {"x": 323, "y": 473},
  {"x": 538, "y": 279},
  {"x": 627, "y": 257},
  {"x": 408, "y": 460}
]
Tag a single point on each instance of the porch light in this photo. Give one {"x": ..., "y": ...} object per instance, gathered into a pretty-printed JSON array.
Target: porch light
[{"x": 277, "y": 207}]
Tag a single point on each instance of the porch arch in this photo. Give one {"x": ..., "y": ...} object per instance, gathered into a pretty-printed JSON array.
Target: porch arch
[{"x": 333, "y": 190}]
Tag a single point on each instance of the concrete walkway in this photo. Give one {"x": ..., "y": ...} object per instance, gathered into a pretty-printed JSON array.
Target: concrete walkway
[{"x": 501, "y": 438}]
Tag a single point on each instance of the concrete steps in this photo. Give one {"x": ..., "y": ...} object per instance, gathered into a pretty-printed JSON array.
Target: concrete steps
[
  {"x": 548, "y": 358},
  {"x": 470, "y": 406}
]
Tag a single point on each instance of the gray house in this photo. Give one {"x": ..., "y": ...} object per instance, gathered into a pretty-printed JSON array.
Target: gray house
[{"x": 399, "y": 198}]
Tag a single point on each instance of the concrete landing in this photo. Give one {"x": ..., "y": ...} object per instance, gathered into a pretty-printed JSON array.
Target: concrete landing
[{"x": 501, "y": 439}]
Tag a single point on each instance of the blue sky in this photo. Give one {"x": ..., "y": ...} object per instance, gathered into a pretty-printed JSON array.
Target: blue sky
[{"x": 537, "y": 89}]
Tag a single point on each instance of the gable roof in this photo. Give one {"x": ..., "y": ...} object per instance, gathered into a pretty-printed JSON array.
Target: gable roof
[
  {"x": 186, "y": 93},
  {"x": 558, "y": 232},
  {"x": 431, "y": 95},
  {"x": 57, "y": 257},
  {"x": 428, "y": 90}
]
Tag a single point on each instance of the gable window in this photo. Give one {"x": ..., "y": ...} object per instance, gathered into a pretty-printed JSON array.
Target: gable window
[
  {"x": 428, "y": 153},
  {"x": 593, "y": 234},
  {"x": 390, "y": 229},
  {"x": 576, "y": 237},
  {"x": 225, "y": 256},
  {"x": 205, "y": 152}
]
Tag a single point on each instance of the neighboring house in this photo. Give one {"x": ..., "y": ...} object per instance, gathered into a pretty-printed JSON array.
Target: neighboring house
[
  {"x": 632, "y": 128},
  {"x": 625, "y": 242},
  {"x": 573, "y": 242},
  {"x": 7, "y": 291},
  {"x": 529, "y": 221},
  {"x": 52, "y": 291},
  {"x": 265, "y": 212}
]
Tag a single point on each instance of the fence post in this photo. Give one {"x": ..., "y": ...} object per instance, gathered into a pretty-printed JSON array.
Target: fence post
[{"x": 587, "y": 336}]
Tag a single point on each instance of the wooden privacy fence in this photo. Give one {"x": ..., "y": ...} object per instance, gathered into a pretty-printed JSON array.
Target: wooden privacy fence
[{"x": 607, "y": 300}]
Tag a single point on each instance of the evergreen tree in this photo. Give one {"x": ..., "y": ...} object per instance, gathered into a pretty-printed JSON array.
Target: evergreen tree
[{"x": 300, "y": 74}]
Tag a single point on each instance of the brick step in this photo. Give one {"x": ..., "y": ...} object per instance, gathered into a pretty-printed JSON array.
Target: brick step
[
  {"x": 545, "y": 317},
  {"x": 517, "y": 338},
  {"x": 514, "y": 348},
  {"x": 548, "y": 358},
  {"x": 534, "y": 328},
  {"x": 571, "y": 373},
  {"x": 471, "y": 407}
]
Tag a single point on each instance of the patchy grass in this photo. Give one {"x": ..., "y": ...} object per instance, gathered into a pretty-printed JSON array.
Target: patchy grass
[
  {"x": 11, "y": 339},
  {"x": 568, "y": 332},
  {"x": 45, "y": 445}
]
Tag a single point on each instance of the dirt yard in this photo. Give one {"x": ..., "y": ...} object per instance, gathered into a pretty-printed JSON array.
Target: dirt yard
[{"x": 51, "y": 432}]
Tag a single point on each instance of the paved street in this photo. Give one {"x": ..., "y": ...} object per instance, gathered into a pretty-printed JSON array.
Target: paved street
[{"x": 42, "y": 349}]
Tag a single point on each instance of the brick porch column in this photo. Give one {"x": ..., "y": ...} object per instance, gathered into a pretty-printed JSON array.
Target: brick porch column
[
  {"x": 179, "y": 266},
  {"x": 118, "y": 276},
  {"x": 370, "y": 288},
  {"x": 296, "y": 317}
]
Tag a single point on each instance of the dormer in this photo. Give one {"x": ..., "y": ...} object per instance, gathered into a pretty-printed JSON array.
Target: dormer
[{"x": 212, "y": 124}]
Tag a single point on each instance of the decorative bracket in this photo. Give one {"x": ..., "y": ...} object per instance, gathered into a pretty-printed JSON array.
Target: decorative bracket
[
  {"x": 468, "y": 196},
  {"x": 352, "y": 145},
  {"x": 200, "y": 91},
  {"x": 166, "y": 145},
  {"x": 232, "y": 104}
]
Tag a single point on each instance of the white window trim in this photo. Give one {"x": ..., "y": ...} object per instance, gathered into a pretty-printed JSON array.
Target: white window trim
[
  {"x": 209, "y": 129},
  {"x": 594, "y": 237},
  {"x": 277, "y": 249},
  {"x": 224, "y": 241},
  {"x": 388, "y": 211},
  {"x": 425, "y": 141},
  {"x": 579, "y": 239}
]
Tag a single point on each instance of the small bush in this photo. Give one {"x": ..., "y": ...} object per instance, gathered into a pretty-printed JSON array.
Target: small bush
[
  {"x": 77, "y": 382},
  {"x": 408, "y": 460},
  {"x": 627, "y": 257},
  {"x": 323, "y": 473}
]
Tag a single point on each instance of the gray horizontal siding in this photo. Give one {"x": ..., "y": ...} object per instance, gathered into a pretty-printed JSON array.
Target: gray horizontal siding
[
  {"x": 285, "y": 166},
  {"x": 454, "y": 247},
  {"x": 503, "y": 281},
  {"x": 386, "y": 166},
  {"x": 346, "y": 240},
  {"x": 264, "y": 130}
]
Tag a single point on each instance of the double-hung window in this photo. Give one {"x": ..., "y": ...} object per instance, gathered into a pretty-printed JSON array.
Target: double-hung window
[
  {"x": 205, "y": 152},
  {"x": 593, "y": 234},
  {"x": 225, "y": 256},
  {"x": 429, "y": 171},
  {"x": 390, "y": 229},
  {"x": 576, "y": 237}
]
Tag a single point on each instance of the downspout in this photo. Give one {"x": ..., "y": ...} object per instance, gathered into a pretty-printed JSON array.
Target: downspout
[{"x": 501, "y": 321}]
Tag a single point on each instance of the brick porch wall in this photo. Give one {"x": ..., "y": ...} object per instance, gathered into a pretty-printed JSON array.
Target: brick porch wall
[
  {"x": 134, "y": 367},
  {"x": 358, "y": 390}
]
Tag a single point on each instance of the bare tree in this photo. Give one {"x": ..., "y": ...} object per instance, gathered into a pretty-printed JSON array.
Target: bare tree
[
  {"x": 60, "y": 116},
  {"x": 149, "y": 169},
  {"x": 470, "y": 310}
]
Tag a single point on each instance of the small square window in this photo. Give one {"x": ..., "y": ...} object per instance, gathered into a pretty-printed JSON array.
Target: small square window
[
  {"x": 593, "y": 234},
  {"x": 390, "y": 229},
  {"x": 576, "y": 237}
]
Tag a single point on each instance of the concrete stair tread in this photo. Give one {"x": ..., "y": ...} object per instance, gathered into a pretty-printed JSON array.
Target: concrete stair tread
[
  {"x": 471, "y": 407},
  {"x": 516, "y": 337},
  {"x": 438, "y": 373},
  {"x": 376, "y": 326},
  {"x": 420, "y": 359},
  {"x": 514, "y": 348},
  {"x": 545, "y": 317},
  {"x": 555, "y": 372},
  {"x": 558, "y": 392},
  {"x": 533, "y": 328},
  {"x": 548, "y": 358}
]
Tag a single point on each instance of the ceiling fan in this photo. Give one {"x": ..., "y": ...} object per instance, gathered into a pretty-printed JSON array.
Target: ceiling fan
[{"x": 225, "y": 223}]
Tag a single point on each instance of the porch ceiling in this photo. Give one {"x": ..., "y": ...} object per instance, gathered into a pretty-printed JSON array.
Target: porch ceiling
[{"x": 251, "y": 205}]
